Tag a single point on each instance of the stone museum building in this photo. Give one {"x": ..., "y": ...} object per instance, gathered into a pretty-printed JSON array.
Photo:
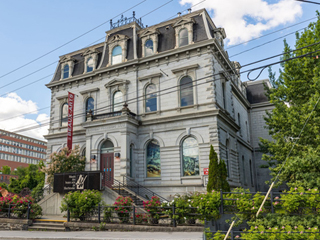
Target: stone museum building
[{"x": 150, "y": 100}]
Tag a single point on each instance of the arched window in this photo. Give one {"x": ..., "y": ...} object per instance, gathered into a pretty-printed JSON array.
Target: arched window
[
  {"x": 183, "y": 37},
  {"x": 148, "y": 48},
  {"x": 83, "y": 153},
  {"x": 153, "y": 159},
  {"x": 190, "y": 157},
  {"x": 116, "y": 55},
  {"x": 65, "y": 73},
  {"x": 90, "y": 64},
  {"x": 107, "y": 147},
  {"x": 151, "y": 98},
  {"x": 89, "y": 106},
  {"x": 186, "y": 92},
  {"x": 117, "y": 101},
  {"x": 64, "y": 115}
]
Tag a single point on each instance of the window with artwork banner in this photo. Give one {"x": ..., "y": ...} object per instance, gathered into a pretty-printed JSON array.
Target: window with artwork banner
[{"x": 153, "y": 159}]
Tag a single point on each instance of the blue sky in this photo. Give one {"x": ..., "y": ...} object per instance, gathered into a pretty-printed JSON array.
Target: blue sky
[{"x": 32, "y": 28}]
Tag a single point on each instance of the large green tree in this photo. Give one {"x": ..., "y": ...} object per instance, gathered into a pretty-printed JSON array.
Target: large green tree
[
  {"x": 30, "y": 177},
  {"x": 295, "y": 94}
]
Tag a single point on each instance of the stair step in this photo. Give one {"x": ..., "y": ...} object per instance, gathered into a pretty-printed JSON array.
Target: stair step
[
  {"x": 40, "y": 224},
  {"x": 46, "y": 228}
]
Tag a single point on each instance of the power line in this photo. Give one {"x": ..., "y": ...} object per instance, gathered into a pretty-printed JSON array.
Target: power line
[
  {"x": 72, "y": 40},
  {"x": 136, "y": 99},
  {"x": 306, "y": 1}
]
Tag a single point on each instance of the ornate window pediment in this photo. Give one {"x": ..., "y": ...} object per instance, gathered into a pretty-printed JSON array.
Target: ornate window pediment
[
  {"x": 146, "y": 36},
  {"x": 116, "y": 82},
  {"x": 66, "y": 60},
  {"x": 90, "y": 59},
  {"x": 117, "y": 40},
  {"x": 181, "y": 24}
]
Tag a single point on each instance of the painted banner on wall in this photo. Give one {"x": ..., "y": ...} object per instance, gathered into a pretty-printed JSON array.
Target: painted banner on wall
[{"x": 70, "y": 119}]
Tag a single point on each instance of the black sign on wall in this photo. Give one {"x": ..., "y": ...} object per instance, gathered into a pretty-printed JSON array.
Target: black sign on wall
[{"x": 66, "y": 182}]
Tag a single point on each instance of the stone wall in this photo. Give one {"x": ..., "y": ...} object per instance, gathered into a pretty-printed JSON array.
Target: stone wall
[{"x": 14, "y": 224}]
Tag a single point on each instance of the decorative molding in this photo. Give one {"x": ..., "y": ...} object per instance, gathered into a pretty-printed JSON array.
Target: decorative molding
[
  {"x": 150, "y": 76},
  {"x": 89, "y": 91},
  {"x": 116, "y": 82},
  {"x": 185, "y": 68}
]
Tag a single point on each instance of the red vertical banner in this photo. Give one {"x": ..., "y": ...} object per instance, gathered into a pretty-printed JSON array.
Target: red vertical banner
[{"x": 70, "y": 119}]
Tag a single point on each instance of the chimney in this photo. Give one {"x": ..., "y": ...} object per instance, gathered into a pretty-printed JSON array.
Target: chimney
[
  {"x": 179, "y": 14},
  {"x": 189, "y": 10}
]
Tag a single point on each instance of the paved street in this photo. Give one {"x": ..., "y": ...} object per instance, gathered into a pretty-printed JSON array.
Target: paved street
[{"x": 28, "y": 235}]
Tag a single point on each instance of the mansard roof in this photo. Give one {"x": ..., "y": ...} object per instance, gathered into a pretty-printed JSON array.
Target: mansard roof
[{"x": 166, "y": 40}]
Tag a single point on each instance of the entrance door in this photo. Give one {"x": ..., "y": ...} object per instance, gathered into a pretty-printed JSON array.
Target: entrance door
[{"x": 106, "y": 166}]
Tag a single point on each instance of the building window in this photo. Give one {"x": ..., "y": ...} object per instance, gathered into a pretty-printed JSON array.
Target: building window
[
  {"x": 151, "y": 98},
  {"x": 227, "y": 157},
  {"x": 244, "y": 171},
  {"x": 153, "y": 159},
  {"x": 89, "y": 106},
  {"x": 90, "y": 64},
  {"x": 148, "y": 48},
  {"x": 116, "y": 55},
  {"x": 83, "y": 154},
  {"x": 239, "y": 122},
  {"x": 190, "y": 157},
  {"x": 251, "y": 177},
  {"x": 64, "y": 115},
  {"x": 186, "y": 92},
  {"x": 223, "y": 96},
  {"x": 107, "y": 147},
  {"x": 117, "y": 101},
  {"x": 131, "y": 160},
  {"x": 65, "y": 73},
  {"x": 183, "y": 37}
]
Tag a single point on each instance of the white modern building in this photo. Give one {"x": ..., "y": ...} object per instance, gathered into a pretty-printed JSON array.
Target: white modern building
[{"x": 182, "y": 94}]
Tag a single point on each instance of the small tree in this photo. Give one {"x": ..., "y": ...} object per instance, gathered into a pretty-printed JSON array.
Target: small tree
[
  {"x": 65, "y": 161},
  {"x": 223, "y": 174},
  {"x": 6, "y": 170},
  {"x": 217, "y": 173},
  {"x": 213, "y": 171}
]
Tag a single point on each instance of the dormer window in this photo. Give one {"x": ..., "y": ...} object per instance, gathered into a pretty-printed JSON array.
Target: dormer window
[
  {"x": 65, "y": 73},
  {"x": 183, "y": 37},
  {"x": 148, "y": 48},
  {"x": 184, "y": 31},
  {"x": 116, "y": 55},
  {"x": 67, "y": 65},
  {"x": 117, "y": 49},
  {"x": 90, "y": 64}
]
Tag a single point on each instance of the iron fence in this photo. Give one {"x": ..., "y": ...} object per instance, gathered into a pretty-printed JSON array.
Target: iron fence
[
  {"x": 15, "y": 211},
  {"x": 164, "y": 216}
]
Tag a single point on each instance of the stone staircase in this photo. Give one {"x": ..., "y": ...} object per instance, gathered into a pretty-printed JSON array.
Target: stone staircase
[
  {"x": 138, "y": 201},
  {"x": 47, "y": 225}
]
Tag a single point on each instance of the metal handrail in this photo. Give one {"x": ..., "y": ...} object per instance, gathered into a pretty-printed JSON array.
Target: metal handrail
[
  {"x": 134, "y": 187},
  {"x": 140, "y": 190}
]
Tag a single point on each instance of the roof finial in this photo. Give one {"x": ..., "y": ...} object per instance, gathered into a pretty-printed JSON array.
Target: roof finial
[
  {"x": 179, "y": 14},
  {"x": 189, "y": 10}
]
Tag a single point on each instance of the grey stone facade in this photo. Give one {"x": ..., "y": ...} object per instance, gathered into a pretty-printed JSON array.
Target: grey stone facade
[{"x": 219, "y": 100}]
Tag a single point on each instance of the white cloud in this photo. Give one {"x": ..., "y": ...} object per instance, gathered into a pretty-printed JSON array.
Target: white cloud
[
  {"x": 247, "y": 19},
  {"x": 11, "y": 118}
]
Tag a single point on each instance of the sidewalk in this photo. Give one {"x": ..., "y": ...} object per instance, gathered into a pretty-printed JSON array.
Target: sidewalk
[{"x": 35, "y": 235}]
